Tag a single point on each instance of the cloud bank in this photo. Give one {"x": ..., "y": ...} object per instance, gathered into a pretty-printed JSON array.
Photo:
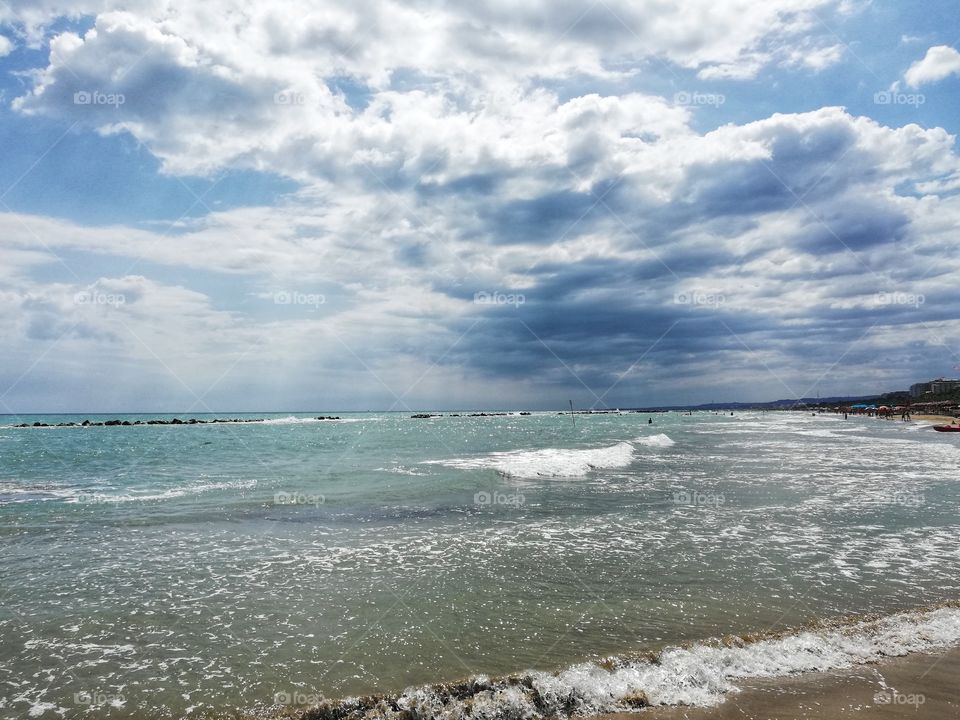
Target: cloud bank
[{"x": 495, "y": 207}]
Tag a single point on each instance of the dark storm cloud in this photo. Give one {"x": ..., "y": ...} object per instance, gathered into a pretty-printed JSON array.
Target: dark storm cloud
[
  {"x": 854, "y": 224},
  {"x": 547, "y": 218},
  {"x": 473, "y": 184},
  {"x": 600, "y": 336}
]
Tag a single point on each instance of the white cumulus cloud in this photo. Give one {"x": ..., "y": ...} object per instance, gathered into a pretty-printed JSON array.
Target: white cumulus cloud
[{"x": 940, "y": 62}]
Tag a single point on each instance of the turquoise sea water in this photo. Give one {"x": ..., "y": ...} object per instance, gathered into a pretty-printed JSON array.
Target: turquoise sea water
[{"x": 186, "y": 571}]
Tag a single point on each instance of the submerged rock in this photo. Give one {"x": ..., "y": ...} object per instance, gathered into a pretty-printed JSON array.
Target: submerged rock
[{"x": 637, "y": 699}]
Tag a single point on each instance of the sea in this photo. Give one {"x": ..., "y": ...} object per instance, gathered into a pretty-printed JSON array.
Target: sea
[{"x": 462, "y": 565}]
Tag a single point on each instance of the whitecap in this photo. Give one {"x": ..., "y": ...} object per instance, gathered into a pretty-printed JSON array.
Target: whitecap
[
  {"x": 399, "y": 470},
  {"x": 549, "y": 462},
  {"x": 294, "y": 420},
  {"x": 659, "y": 440}
]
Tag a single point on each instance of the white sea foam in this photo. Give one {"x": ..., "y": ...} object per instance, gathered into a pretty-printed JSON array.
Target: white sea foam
[
  {"x": 549, "y": 462},
  {"x": 176, "y": 492},
  {"x": 294, "y": 420},
  {"x": 83, "y": 648},
  {"x": 399, "y": 470},
  {"x": 702, "y": 674},
  {"x": 290, "y": 420},
  {"x": 40, "y": 708},
  {"x": 10, "y": 493},
  {"x": 699, "y": 675},
  {"x": 659, "y": 440}
]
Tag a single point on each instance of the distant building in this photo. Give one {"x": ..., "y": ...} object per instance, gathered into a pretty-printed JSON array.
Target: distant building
[
  {"x": 942, "y": 385},
  {"x": 934, "y": 387},
  {"x": 919, "y": 389}
]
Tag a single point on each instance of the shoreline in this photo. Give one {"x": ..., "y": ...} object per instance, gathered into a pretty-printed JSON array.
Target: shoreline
[
  {"x": 936, "y": 419},
  {"x": 816, "y": 671},
  {"x": 728, "y": 651},
  {"x": 922, "y": 685}
]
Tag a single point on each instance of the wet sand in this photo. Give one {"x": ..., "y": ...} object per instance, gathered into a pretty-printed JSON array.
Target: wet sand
[
  {"x": 936, "y": 419},
  {"x": 922, "y": 686}
]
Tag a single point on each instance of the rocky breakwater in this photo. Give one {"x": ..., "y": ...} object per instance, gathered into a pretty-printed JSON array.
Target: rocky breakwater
[{"x": 173, "y": 421}]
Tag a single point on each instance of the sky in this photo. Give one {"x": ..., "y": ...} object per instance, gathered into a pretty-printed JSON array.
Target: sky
[{"x": 280, "y": 206}]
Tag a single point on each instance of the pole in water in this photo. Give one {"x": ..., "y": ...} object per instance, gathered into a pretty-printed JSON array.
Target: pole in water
[{"x": 572, "y": 417}]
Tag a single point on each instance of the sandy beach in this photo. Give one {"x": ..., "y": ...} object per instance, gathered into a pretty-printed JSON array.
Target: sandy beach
[
  {"x": 921, "y": 685},
  {"x": 936, "y": 419}
]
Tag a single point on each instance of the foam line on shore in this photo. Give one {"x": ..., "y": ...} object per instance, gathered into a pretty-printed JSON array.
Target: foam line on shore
[{"x": 700, "y": 674}]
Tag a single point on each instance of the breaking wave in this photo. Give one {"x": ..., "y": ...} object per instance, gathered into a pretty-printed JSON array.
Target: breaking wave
[
  {"x": 697, "y": 675},
  {"x": 294, "y": 420},
  {"x": 659, "y": 440},
  {"x": 550, "y": 462},
  {"x": 11, "y": 492}
]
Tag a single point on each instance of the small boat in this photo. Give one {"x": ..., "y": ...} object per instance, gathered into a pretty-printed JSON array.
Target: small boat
[{"x": 947, "y": 428}]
